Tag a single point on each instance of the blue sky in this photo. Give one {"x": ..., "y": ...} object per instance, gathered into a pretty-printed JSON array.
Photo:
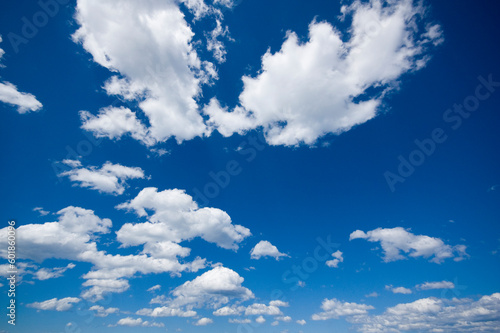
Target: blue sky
[{"x": 251, "y": 166}]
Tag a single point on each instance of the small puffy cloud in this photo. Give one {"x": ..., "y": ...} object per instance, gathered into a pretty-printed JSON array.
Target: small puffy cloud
[
  {"x": 373, "y": 294},
  {"x": 51, "y": 273},
  {"x": 110, "y": 178},
  {"x": 24, "y": 102},
  {"x": 203, "y": 321},
  {"x": 229, "y": 311},
  {"x": 166, "y": 311},
  {"x": 239, "y": 321},
  {"x": 129, "y": 321},
  {"x": 177, "y": 217},
  {"x": 213, "y": 288},
  {"x": 152, "y": 324},
  {"x": 279, "y": 303},
  {"x": 335, "y": 262},
  {"x": 285, "y": 319},
  {"x": 217, "y": 286},
  {"x": 9, "y": 94},
  {"x": 436, "y": 285},
  {"x": 266, "y": 249},
  {"x": 100, "y": 311},
  {"x": 63, "y": 304},
  {"x": 113, "y": 123},
  {"x": 397, "y": 240},
  {"x": 398, "y": 290},
  {"x": 301, "y": 322},
  {"x": 333, "y": 309},
  {"x": 430, "y": 315},
  {"x": 99, "y": 287},
  {"x": 260, "y": 320},
  {"x": 324, "y": 85},
  {"x": 273, "y": 309},
  {"x": 41, "y": 211},
  {"x": 153, "y": 288}
]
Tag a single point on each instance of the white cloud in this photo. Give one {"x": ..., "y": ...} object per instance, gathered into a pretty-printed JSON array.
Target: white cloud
[
  {"x": 266, "y": 249},
  {"x": 301, "y": 322},
  {"x": 9, "y": 94},
  {"x": 74, "y": 237},
  {"x": 215, "y": 287},
  {"x": 24, "y": 102},
  {"x": 198, "y": 7},
  {"x": 129, "y": 321},
  {"x": 373, "y": 294},
  {"x": 229, "y": 311},
  {"x": 150, "y": 45},
  {"x": 113, "y": 123},
  {"x": 256, "y": 309},
  {"x": 51, "y": 273},
  {"x": 166, "y": 311},
  {"x": 224, "y": 3},
  {"x": 260, "y": 320},
  {"x": 103, "y": 312},
  {"x": 68, "y": 238},
  {"x": 215, "y": 45},
  {"x": 152, "y": 324},
  {"x": 109, "y": 271},
  {"x": 63, "y": 304},
  {"x": 398, "y": 290},
  {"x": 41, "y": 211},
  {"x": 22, "y": 268},
  {"x": 436, "y": 285},
  {"x": 279, "y": 303},
  {"x": 333, "y": 309},
  {"x": 239, "y": 321},
  {"x": 2, "y": 52},
  {"x": 335, "y": 262},
  {"x": 307, "y": 90},
  {"x": 99, "y": 287},
  {"x": 176, "y": 217},
  {"x": 436, "y": 315},
  {"x": 110, "y": 178},
  {"x": 262, "y": 309},
  {"x": 203, "y": 322},
  {"x": 397, "y": 240},
  {"x": 155, "y": 287}
]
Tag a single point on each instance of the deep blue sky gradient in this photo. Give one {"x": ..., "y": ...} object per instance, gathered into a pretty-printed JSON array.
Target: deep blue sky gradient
[{"x": 289, "y": 196}]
